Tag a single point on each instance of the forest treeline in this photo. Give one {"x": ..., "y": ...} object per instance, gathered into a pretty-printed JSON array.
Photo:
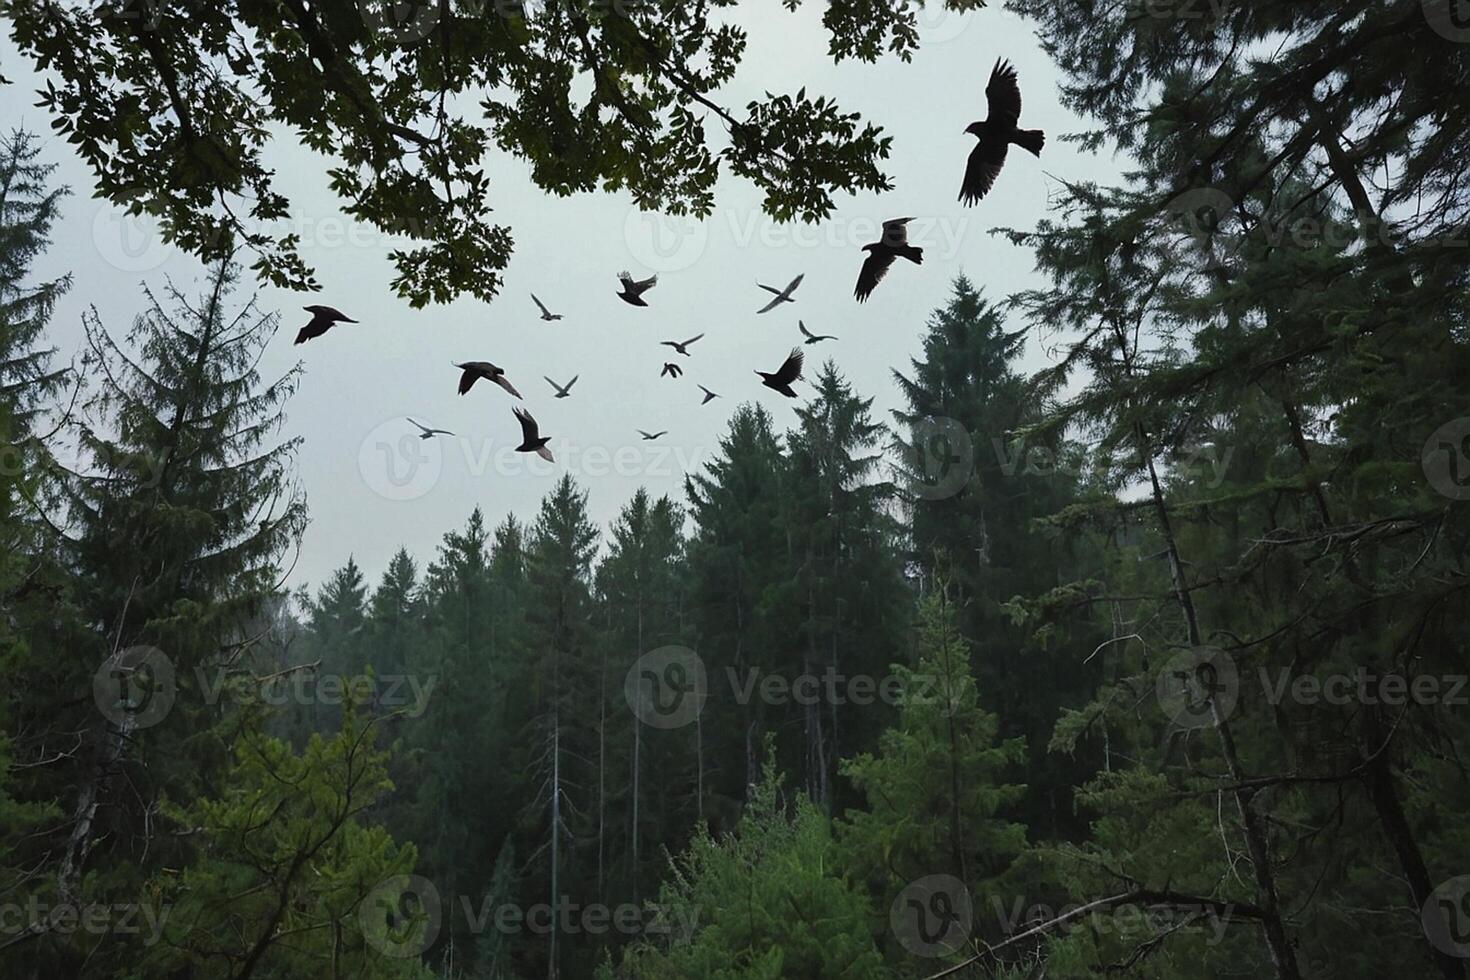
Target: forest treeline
[{"x": 1148, "y": 663}]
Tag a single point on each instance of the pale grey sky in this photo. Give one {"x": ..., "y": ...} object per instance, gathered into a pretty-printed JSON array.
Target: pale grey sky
[{"x": 367, "y": 498}]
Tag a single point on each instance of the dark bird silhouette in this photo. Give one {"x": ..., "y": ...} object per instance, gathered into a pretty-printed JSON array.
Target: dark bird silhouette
[
  {"x": 532, "y": 441},
  {"x": 681, "y": 346},
  {"x": 650, "y": 436},
  {"x": 427, "y": 433},
  {"x": 812, "y": 338},
  {"x": 634, "y": 289},
  {"x": 322, "y": 320},
  {"x": 883, "y": 253},
  {"x": 671, "y": 369},
  {"x": 475, "y": 370},
  {"x": 709, "y": 396},
  {"x": 997, "y": 133},
  {"x": 545, "y": 313},
  {"x": 787, "y": 373},
  {"x": 782, "y": 295},
  {"x": 562, "y": 391}
]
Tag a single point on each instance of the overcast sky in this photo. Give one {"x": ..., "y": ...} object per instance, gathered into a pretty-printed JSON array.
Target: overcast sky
[{"x": 370, "y": 489}]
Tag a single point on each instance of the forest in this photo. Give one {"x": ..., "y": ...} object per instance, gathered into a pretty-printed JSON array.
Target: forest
[{"x": 1148, "y": 663}]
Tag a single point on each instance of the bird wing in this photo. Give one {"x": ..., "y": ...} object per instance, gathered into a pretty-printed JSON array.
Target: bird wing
[
  {"x": 541, "y": 305},
  {"x": 468, "y": 378},
  {"x": 668, "y": 343},
  {"x": 644, "y": 434},
  {"x": 504, "y": 382},
  {"x": 804, "y": 331},
  {"x": 691, "y": 340},
  {"x": 984, "y": 165},
  {"x": 1003, "y": 94},
  {"x": 318, "y": 326},
  {"x": 769, "y": 289},
  {"x": 625, "y": 277},
  {"x": 772, "y": 304},
  {"x": 553, "y": 384},
  {"x": 874, "y": 268},
  {"x": 421, "y": 428},
  {"x": 643, "y": 285},
  {"x": 896, "y": 231},
  {"x": 791, "y": 370},
  {"x": 572, "y": 382},
  {"x": 329, "y": 313},
  {"x": 661, "y": 432},
  {"x": 529, "y": 432},
  {"x": 791, "y": 288}
]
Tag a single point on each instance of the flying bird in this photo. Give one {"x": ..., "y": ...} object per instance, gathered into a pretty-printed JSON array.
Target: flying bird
[
  {"x": 650, "y": 436},
  {"x": 671, "y": 369},
  {"x": 782, "y": 295},
  {"x": 427, "y": 433},
  {"x": 883, "y": 253},
  {"x": 681, "y": 346},
  {"x": 545, "y": 313},
  {"x": 532, "y": 441},
  {"x": 475, "y": 370},
  {"x": 633, "y": 289},
  {"x": 787, "y": 373},
  {"x": 709, "y": 396},
  {"x": 322, "y": 320},
  {"x": 562, "y": 391},
  {"x": 996, "y": 133},
  {"x": 812, "y": 338}
]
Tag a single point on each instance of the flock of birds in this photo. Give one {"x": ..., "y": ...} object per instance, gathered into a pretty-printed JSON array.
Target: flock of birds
[{"x": 994, "y": 135}]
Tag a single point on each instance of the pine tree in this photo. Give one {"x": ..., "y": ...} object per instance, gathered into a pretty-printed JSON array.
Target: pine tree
[
  {"x": 180, "y": 511},
  {"x": 28, "y": 208},
  {"x": 846, "y": 576}
]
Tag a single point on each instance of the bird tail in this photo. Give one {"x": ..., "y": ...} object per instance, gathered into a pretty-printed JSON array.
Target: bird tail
[
  {"x": 1031, "y": 140},
  {"x": 913, "y": 253}
]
